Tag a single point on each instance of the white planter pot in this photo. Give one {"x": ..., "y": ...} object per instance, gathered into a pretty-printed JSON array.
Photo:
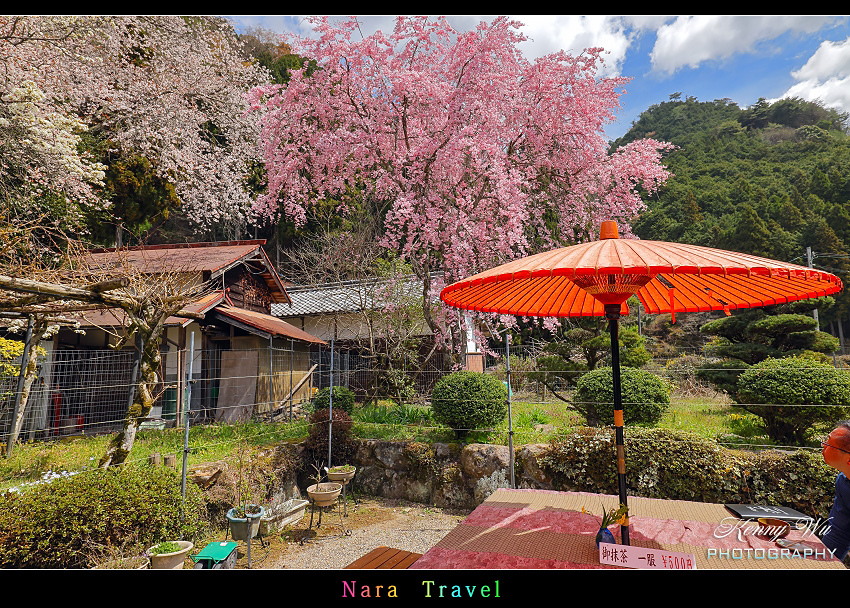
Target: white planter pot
[
  {"x": 342, "y": 476},
  {"x": 325, "y": 494},
  {"x": 171, "y": 561},
  {"x": 284, "y": 514}
]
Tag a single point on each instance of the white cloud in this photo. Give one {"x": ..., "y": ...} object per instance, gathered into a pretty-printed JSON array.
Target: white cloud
[
  {"x": 574, "y": 33},
  {"x": 689, "y": 41},
  {"x": 831, "y": 59},
  {"x": 546, "y": 33},
  {"x": 825, "y": 77}
]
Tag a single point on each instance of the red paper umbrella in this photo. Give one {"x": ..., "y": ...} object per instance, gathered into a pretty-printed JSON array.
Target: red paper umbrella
[
  {"x": 595, "y": 279},
  {"x": 667, "y": 277}
]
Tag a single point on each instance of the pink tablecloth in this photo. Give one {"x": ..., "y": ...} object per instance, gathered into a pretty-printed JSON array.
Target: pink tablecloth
[{"x": 519, "y": 529}]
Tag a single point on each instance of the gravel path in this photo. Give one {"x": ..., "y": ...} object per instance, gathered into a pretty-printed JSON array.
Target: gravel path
[{"x": 372, "y": 523}]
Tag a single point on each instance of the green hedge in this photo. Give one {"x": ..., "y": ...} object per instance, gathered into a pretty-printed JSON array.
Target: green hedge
[
  {"x": 813, "y": 393},
  {"x": 469, "y": 400},
  {"x": 66, "y": 523},
  {"x": 343, "y": 399},
  {"x": 677, "y": 465},
  {"x": 343, "y": 446},
  {"x": 645, "y": 396}
]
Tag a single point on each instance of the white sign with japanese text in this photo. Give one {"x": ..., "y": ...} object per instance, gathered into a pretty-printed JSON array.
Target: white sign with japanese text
[{"x": 643, "y": 558}]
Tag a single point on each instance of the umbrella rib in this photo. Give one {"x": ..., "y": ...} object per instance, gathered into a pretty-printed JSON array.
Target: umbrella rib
[
  {"x": 560, "y": 286},
  {"x": 585, "y": 252},
  {"x": 535, "y": 288},
  {"x": 469, "y": 297},
  {"x": 485, "y": 295},
  {"x": 571, "y": 296},
  {"x": 502, "y": 293},
  {"x": 652, "y": 297},
  {"x": 686, "y": 293}
]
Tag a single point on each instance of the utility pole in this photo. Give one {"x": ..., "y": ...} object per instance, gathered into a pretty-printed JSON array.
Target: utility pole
[{"x": 809, "y": 258}]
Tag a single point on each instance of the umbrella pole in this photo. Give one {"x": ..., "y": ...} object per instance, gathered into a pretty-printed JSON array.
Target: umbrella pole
[
  {"x": 612, "y": 313},
  {"x": 510, "y": 416}
]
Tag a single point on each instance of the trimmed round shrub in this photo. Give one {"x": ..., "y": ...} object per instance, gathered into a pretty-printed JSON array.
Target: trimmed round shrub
[
  {"x": 72, "y": 520},
  {"x": 820, "y": 393},
  {"x": 467, "y": 401},
  {"x": 645, "y": 396},
  {"x": 343, "y": 399}
]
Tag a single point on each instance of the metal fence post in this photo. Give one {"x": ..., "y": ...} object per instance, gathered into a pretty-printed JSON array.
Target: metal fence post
[
  {"x": 291, "y": 356},
  {"x": 331, "y": 408},
  {"x": 271, "y": 377},
  {"x": 186, "y": 409}
]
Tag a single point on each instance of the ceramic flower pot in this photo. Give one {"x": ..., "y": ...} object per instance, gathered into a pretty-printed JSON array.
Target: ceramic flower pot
[
  {"x": 324, "y": 494},
  {"x": 170, "y": 561},
  {"x": 341, "y": 476},
  {"x": 241, "y": 527},
  {"x": 604, "y": 536}
]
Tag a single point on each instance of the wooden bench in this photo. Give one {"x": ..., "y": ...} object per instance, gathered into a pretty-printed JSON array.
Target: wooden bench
[{"x": 385, "y": 558}]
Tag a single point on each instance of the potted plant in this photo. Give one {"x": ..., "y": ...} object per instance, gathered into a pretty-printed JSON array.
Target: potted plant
[
  {"x": 169, "y": 554},
  {"x": 244, "y": 521},
  {"x": 323, "y": 494},
  {"x": 244, "y": 518},
  {"x": 620, "y": 515},
  {"x": 342, "y": 473},
  {"x": 128, "y": 554}
]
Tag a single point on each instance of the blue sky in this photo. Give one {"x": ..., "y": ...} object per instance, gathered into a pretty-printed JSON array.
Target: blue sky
[{"x": 707, "y": 56}]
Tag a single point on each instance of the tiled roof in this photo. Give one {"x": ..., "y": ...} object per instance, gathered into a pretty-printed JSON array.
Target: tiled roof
[
  {"x": 347, "y": 296},
  {"x": 115, "y": 317},
  {"x": 178, "y": 257},
  {"x": 215, "y": 258},
  {"x": 266, "y": 323}
]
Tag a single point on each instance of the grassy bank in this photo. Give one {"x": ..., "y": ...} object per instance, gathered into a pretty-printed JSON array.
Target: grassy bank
[
  {"x": 711, "y": 417},
  {"x": 31, "y": 462}
]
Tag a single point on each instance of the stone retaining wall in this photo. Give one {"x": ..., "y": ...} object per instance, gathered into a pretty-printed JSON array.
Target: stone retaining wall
[{"x": 444, "y": 474}]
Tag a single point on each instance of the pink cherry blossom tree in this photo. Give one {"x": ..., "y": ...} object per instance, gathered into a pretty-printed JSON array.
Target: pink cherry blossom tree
[
  {"x": 481, "y": 154},
  {"x": 168, "y": 88}
]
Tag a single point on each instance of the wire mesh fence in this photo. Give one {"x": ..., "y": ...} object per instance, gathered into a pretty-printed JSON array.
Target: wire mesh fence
[{"x": 88, "y": 391}]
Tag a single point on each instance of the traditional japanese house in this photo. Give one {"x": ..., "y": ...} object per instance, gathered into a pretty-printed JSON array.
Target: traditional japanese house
[{"x": 234, "y": 350}]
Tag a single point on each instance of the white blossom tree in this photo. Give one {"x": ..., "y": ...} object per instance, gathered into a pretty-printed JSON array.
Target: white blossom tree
[{"x": 171, "y": 89}]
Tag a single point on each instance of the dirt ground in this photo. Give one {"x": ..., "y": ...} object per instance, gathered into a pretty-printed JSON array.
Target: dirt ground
[{"x": 339, "y": 540}]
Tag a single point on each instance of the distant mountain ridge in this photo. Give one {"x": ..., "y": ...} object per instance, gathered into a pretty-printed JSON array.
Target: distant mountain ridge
[{"x": 769, "y": 180}]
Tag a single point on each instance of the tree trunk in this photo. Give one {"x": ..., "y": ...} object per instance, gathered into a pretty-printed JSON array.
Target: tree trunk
[
  {"x": 29, "y": 378},
  {"x": 30, "y": 371},
  {"x": 119, "y": 447}
]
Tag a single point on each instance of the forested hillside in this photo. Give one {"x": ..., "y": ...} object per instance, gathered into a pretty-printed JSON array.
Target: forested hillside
[{"x": 770, "y": 180}]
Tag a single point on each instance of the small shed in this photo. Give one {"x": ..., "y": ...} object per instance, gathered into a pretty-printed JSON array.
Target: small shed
[{"x": 342, "y": 311}]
